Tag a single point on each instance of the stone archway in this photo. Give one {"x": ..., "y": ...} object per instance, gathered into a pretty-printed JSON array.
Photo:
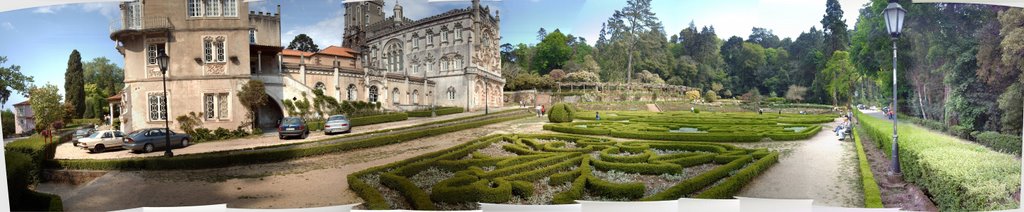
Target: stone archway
[{"x": 269, "y": 114}]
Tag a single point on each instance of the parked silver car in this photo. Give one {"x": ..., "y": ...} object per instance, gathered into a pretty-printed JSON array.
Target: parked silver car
[
  {"x": 337, "y": 124},
  {"x": 82, "y": 133},
  {"x": 102, "y": 140}
]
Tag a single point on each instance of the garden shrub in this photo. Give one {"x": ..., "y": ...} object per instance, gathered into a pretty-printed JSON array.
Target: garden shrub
[
  {"x": 639, "y": 168},
  {"x": 560, "y": 113},
  {"x": 1000, "y": 142},
  {"x": 413, "y": 194},
  {"x": 959, "y": 175},
  {"x": 220, "y": 134},
  {"x": 522, "y": 189},
  {"x": 604, "y": 188}
]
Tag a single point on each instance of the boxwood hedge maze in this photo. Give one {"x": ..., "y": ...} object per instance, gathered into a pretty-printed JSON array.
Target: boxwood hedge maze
[
  {"x": 687, "y": 126},
  {"x": 559, "y": 169}
]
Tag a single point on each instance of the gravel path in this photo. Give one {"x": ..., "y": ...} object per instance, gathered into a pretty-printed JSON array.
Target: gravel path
[
  {"x": 822, "y": 168},
  {"x": 68, "y": 151},
  {"x": 308, "y": 182}
]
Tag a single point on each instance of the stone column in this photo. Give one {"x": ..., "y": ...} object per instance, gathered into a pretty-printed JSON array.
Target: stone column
[{"x": 111, "y": 121}]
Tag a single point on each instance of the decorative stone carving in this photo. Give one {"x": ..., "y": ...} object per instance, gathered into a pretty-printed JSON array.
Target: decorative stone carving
[
  {"x": 153, "y": 71},
  {"x": 215, "y": 69}
]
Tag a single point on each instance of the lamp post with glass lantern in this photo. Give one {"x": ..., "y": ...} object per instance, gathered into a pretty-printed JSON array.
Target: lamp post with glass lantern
[
  {"x": 162, "y": 60},
  {"x": 894, "y": 16}
]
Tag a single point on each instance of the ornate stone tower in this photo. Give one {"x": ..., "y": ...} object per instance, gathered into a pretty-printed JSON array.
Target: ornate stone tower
[{"x": 359, "y": 16}]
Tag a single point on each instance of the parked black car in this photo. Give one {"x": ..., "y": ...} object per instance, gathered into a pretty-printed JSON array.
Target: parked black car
[
  {"x": 292, "y": 127},
  {"x": 147, "y": 140}
]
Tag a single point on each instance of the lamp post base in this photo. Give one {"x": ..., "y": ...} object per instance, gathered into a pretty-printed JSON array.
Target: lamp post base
[{"x": 168, "y": 154}]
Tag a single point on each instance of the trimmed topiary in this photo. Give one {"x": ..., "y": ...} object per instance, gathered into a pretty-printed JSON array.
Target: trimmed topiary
[{"x": 561, "y": 113}]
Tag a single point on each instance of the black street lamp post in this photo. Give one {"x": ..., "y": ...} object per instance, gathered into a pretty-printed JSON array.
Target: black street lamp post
[
  {"x": 894, "y": 15},
  {"x": 162, "y": 60}
]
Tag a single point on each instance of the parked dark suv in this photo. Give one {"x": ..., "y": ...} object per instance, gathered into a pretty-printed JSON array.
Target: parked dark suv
[
  {"x": 147, "y": 140},
  {"x": 293, "y": 127}
]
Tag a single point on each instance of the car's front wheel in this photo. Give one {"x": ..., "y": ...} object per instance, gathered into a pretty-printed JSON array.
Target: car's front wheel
[
  {"x": 100, "y": 148},
  {"x": 148, "y": 148},
  {"x": 184, "y": 142}
]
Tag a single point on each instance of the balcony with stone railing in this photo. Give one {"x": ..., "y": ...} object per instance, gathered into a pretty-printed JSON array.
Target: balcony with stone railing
[{"x": 129, "y": 26}]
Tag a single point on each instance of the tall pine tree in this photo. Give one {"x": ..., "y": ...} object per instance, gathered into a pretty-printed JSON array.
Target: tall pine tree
[
  {"x": 74, "y": 84},
  {"x": 834, "y": 26}
]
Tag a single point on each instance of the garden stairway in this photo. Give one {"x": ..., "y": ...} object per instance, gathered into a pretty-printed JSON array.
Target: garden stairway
[{"x": 653, "y": 108}]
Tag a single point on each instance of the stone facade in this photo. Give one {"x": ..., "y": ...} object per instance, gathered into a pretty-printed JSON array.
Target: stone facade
[
  {"x": 458, "y": 50},
  {"x": 216, "y": 46}
]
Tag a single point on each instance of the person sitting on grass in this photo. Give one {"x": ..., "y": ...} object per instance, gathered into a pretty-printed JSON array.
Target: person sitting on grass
[{"x": 597, "y": 115}]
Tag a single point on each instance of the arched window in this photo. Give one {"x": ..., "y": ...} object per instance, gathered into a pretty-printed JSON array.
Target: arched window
[
  {"x": 373, "y": 93},
  {"x": 415, "y": 97},
  {"x": 445, "y": 65},
  {"x": 394, "y": 96},
  {"x": 393, "y": 56},
  {"x": 320, "y": 86},
  {"x": 451, "y": 93},
  {"x": 353, "y": 93}
]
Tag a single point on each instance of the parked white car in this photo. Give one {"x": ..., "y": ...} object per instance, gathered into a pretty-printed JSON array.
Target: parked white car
[{"x": 100, "y": 141}]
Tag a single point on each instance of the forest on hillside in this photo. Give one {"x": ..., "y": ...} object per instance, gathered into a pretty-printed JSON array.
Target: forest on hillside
[{"x": 959, "y": 64}]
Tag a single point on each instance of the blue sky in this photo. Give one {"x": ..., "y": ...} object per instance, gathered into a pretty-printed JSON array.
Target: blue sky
[{"x": 40, "y": 39}]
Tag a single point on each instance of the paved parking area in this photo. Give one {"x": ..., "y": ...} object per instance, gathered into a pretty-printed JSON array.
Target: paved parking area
[{"x": 68, "y": 151}]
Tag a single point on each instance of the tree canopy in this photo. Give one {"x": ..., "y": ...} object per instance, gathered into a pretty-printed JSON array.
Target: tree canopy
[{"x": 303, "y": 42}]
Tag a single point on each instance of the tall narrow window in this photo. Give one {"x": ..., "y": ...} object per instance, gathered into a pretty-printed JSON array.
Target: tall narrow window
[
  {"x": 134, "y": 15},
  {"x": 395, "y": 96},
  {"x": 373, "y": 94},
  {"x": 430, "y": 39},
  {"x": 458, "y": 33},
  {"x": 222, "y": 106},
  {"x": 157, "y": 106},
  {"x": 195, "y": 8},
  {"x": 208, "y": 49},
  {"x": 252, "y": 35},
  {"x": 212, "y": 7},
  {"x": 220, "y": 50},
  {"x": 210, "y": 105},
  {"x": 230, "y": 8},
  {"x": 444, "y": 36},
  {"x": 352, "y": 93},
  {"x": 451, "y": 93},
  {"x": 153, "y": 51}
]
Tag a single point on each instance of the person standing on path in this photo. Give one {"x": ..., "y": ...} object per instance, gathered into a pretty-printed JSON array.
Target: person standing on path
[{"x": 537, "y": 109}]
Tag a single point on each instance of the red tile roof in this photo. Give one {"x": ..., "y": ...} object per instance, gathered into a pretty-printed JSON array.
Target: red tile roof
[
  {"x": 338, "y": 51},
  {"x": 291, "y": 52},
  {"x": 114, "y": 98}
]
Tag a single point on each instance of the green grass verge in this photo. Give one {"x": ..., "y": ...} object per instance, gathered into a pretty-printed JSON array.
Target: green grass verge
[
  {"x": 872, "y": 194},
  {"x": 440, "y": 111}
]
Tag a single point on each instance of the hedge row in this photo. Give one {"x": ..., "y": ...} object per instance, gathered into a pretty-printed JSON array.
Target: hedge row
[
  {"x": 226, "y": 159},
  {"x": 660, "y": 131},
  {"x": 872, "y": 194},
  {"x": 440, "y": 111},
  {"x": 23, "y": 170},
  {"x": 377, "y": 119},
  {"x": 1005, "y": 143},
  {"x": 959, "y": 175},
  {"x": 541, "y": 156},
  {"x": 733, "y": 184}
]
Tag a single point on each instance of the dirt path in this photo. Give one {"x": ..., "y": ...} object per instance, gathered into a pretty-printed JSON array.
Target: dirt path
[
  {"x": 309, "y": 182},
  {"x": 822, "y": 168},
  {"x": 653, "y": 108}
]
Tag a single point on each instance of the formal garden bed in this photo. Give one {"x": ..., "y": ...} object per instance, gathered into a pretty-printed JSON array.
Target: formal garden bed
[
  {"x": 689, "y": 126},
  {"x": 559, "y": 169}
]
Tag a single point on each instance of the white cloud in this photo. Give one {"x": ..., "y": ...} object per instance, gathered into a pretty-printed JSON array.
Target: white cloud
[
  {"x": 49, "y": 9},
  {"x": 7, "y": 25},
  {"x": 325, "y": 33},
  {"x": 110, "y": 10}
]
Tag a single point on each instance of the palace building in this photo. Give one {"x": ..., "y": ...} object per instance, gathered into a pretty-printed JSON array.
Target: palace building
[{"x": 216, "y": 46}]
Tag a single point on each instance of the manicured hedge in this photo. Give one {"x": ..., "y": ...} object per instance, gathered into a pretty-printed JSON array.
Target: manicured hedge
[
  {"x": 561, "y": 112},
  {"x": 550, "y": 156},
  {"x": 710, "y": 132},
  {"x": 440, "y": 111},
  {"x": 999, "y": 142},
  {"x": 872, "y": 194},
  {"x": 958, "y": 174},
  {"x": 377, "y": 119},
  {"x": 21, "y": 172}
]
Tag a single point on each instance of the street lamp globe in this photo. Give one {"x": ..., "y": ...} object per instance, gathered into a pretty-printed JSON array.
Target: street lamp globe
[
  {"x": 161, "y": 60},
  {"x": 894, "y": 15}
]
